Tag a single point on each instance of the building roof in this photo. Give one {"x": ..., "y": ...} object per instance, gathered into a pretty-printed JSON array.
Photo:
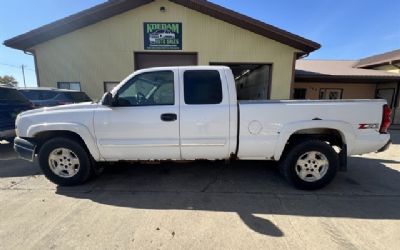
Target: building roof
[
  {"x": 339, "y": 71},
  {"x": 115, "y": 7},
  {"x": 391, "y": 57}
]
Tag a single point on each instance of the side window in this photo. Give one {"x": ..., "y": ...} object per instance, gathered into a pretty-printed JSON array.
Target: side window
[
  {"x": 152, "y": 88},
  {"x": 202, "y": 87}
]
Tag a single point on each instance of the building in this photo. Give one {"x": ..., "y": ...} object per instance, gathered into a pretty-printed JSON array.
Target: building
[
  {"x": 96, "y": 48},
  {"x": 389, "y": 62},
  {"x": 372, "y": 77}
]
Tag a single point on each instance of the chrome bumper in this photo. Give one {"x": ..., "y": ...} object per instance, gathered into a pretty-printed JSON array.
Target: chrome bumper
[{"x": 24, "y": 148}]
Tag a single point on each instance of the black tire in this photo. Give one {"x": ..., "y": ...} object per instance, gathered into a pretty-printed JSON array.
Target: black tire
[
  {"x": 288, "y": 164},
  {"x": 85, "y": 166}
]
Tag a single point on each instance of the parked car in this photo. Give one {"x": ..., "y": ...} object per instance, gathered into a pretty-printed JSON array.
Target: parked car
[
  {"x": 11, "y": 104},
  {"x": 47, "y": 97},
  {"x": 190, "y": 113}
]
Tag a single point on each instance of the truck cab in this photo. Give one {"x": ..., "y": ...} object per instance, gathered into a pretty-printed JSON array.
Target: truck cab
[{"x": 181, "y": 113}]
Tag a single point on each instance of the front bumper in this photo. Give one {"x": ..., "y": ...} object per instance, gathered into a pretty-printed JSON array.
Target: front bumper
[
  {"x": 384, "y": 148},
  {"x": 24, "y": 148}
]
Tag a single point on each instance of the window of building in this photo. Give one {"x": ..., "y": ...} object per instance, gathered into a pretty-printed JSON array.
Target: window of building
[
  {"x": 330, "y": 94},
  {"x": 299, "y": 93},
  {"x": 253, "y": 81},
  {"x": 69, "y": 85},
  {"x": 152, "y": 88},
  {"x": 202, "y": 87},
  {"x": 108, "y": 86}
]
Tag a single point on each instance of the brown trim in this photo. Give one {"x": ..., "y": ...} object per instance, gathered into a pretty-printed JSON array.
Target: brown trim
[
  {"x": 36, "y": 67},
  {"x": 162, "y": 53},
  {"x": 295, "y": 56},
  {"x": 346, "y": 79},
  {"x": 269, "y": 85},
  {"x": 112, "y": 8}
]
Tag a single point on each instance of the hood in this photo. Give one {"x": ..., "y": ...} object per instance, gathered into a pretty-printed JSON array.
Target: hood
[{"x": 68, "y": 107}]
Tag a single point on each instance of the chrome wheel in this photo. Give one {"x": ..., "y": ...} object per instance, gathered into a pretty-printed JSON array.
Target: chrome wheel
[
  {"x": 312, "y": 166},
  {"x": 64, "y": 162}
]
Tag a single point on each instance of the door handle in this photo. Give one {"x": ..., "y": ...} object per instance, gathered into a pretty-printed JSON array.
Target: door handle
[{"x": 169, "y": 117}]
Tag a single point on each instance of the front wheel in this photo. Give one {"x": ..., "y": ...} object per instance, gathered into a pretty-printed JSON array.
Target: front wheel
[
  {"x": 65, "y": 162},
  {"x": 310, "y": 165}
]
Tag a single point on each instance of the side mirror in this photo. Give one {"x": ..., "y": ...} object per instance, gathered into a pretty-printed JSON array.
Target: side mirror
[{"x": 107, "y": 99}]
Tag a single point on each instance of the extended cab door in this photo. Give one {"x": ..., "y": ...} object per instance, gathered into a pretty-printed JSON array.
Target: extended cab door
[
  {"x": 204, "y": 114},
  {"x": 143, "y": 122}
]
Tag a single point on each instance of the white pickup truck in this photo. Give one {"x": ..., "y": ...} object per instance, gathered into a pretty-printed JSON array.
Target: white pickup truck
[{"x": 190, "y": 113}]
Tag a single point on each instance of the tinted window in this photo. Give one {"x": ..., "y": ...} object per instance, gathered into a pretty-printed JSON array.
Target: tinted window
[
  {"x": 37, "y": 95},
  {"x": 8, "y": 95},
  {"x": 202, "y": 87},
  {"x": 153, "y": 88},
  {"x": 77, "y": 96}
]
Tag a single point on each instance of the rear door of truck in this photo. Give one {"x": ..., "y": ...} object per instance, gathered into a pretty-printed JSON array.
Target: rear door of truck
[{"x": 204, "y": 113}]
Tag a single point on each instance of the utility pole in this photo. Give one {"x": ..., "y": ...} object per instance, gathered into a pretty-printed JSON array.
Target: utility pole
[{"x": 23, "y": 74}]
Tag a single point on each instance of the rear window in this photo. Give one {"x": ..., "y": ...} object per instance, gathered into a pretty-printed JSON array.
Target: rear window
[
  {"x": 202, "y": 87},
  {"x": 37, "y": 95},
  {"x": 8, "y": 95},
  {"x": 77, "y": 96}
]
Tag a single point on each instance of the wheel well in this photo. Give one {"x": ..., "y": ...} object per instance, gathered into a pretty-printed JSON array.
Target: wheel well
[
  {"x": 42, "y": 137},
  {"x": 332, "y": 136}
]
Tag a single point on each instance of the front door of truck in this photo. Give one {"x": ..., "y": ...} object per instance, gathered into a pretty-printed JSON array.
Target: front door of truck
[
  {"x": 204, "y": 114},
  {"x": 143, "y": 122}
]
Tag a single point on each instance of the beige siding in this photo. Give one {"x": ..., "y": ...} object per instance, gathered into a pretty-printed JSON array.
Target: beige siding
[
  {"x": 350, "y": 90},
  {"x": 104, "y": 51}
]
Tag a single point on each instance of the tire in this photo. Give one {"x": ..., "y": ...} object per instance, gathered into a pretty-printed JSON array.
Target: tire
[
  {"x": 309, "y": 165},
  {"x": 65, "y": 162}
]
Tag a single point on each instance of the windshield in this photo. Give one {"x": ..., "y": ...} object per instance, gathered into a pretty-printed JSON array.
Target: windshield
[{"x": 9, "y": 95}]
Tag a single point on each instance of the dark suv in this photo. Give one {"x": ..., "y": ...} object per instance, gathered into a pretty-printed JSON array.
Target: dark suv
[
  {"x": 12, "y": 102},
  {"x": 47, "y": 97}
]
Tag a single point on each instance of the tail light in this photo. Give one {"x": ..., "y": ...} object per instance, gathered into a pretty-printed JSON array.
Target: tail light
[{"x": 386, "y": 119}]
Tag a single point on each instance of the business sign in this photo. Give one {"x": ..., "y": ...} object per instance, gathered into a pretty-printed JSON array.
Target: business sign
[{"x": 162, "y": 36}]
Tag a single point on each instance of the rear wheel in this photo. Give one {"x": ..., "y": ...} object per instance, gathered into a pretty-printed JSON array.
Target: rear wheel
[
  {"x": 65, "y": 162},
  {"x": 310, "y": 165}
]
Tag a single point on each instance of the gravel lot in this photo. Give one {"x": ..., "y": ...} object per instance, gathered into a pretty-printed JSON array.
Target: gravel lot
[{"x": 245, "y": 205}]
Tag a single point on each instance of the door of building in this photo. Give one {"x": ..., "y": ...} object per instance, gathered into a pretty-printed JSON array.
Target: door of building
[{"x": 159, "y": 59}]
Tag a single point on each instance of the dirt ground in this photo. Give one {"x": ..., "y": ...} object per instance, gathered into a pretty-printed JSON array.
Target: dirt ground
[{"x": 202, "y": 205}]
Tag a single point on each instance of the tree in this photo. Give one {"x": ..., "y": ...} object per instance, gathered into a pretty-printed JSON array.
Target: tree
[{"x": 6, "y": 79}]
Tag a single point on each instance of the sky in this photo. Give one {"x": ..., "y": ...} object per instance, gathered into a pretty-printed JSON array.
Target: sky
[{"x": 346, "y": 29}]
